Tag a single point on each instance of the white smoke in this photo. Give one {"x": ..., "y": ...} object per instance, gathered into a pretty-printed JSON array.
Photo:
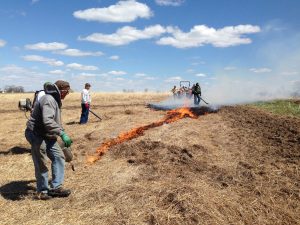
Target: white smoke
[
  {"x": 174, "y": 103},
  {"x": 278, "y": 75},
  {"x": 229, "y": 91}
]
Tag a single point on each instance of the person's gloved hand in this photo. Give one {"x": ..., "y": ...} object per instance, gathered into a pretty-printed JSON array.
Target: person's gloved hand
[
  {"x": 66, "y": 139},
  {"x": 87, "y": 105}
]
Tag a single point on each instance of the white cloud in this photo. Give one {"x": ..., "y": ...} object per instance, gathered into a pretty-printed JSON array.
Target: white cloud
[
  {"x": 77, "y": 53},
  {"x": 123, "y": 11},
  {"x": 103, "y": 75},
  {"x": 58, "y": 72},
  {"x": 13, "y": 69},
  {"x": 200, "y": 75},
  {"x": 212, "y": 78},
  {"x": 173, "y": 79},
  {"x": 42, "y": 46},
  {"x": 296, "y": 83},
  {"x": 34, "y": 1},
  {"x": 260, "y": 70},
  {"x": 16, "y": 48},
  {"x": 201, "y": 35},
  {"x": 197, "y": 63},
  {"x": 125, "y": 35},
  {"x": 9, "y": 78},
  {"x": 198, "y": 36},
  {"x": 289, "y": 73},
  {"x": 88, "y": 74},
  {"x": 37, "y": 58},
  {"x": 275, "y": 25},
  {"x": 119, "y": 79},
  {"x": 190, "y": 71},
  {"x": 169, "y": 2},
  {"x": 2, "y": 43},
  {"x": 144, "y": 76},
  {"x": 117, "y": 72},
  {"x": 150, "y": 78},
  {"x": 140, "y": 75},
  {"x": 77, "y": 66},
  {"x": 229, "y": 68},
  {"x": 114, "y": 57},
  {"x": 22, "y": 76}
]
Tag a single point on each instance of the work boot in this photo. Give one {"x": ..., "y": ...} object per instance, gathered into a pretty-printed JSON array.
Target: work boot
[
  {"x": 59, "y": 192},
  {"x": 42, "y": 196}
]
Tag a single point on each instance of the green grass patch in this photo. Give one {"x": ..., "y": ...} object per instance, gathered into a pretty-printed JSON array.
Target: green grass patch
[{"x": 281, "y": 107}]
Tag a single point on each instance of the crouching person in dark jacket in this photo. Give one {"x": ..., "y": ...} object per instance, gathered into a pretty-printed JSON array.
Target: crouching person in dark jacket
[{"x": 44, "y": 127}]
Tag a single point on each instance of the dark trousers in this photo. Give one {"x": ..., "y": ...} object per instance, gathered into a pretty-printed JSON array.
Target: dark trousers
[
  {"x": 84, "y": 114},
  {"x": 196, "y": 99}
]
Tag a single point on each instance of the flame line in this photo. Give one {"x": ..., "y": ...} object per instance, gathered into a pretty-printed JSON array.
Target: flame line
[{"x": 172, "y": 116}]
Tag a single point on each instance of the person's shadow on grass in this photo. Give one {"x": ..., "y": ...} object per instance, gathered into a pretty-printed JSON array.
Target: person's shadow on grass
[
  {"x": 72, "y": 123},
  {"x": 16, "y": 151},
  {"x": 17, "y": 190}
]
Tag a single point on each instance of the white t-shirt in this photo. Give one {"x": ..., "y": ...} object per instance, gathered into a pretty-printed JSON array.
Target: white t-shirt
[
  {"x": 38, "y": 97},
  {"x": 85, "y": 96},
  {"x": 40, "y": 94}
]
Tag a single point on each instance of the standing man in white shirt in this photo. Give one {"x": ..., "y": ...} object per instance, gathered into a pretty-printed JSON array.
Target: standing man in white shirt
[{"x": 85, "y": 103}]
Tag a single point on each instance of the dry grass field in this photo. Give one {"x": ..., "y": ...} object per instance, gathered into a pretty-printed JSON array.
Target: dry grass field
[{"x": 240, "y": 165}]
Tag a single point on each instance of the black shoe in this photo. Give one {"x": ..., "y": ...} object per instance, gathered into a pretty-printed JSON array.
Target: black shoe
[
  {"x": 42, "y": 196},
  {"x": 59, "y": 192}
]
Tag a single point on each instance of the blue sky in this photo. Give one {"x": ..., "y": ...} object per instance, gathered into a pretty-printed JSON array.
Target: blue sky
[{"x": 153, "y": 44}]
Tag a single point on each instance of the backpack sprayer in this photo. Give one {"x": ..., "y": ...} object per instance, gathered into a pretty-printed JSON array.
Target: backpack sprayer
[{"x": 25, "y": 105}]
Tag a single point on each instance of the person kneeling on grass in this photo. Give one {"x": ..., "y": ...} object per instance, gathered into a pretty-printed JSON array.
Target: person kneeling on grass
[{"x": 44, "y": 126}]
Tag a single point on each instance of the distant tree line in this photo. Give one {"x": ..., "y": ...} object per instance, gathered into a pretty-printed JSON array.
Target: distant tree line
[
  {"x": 19, "y": 89},
  {"x": 13, "y": 89},
  {"x": 132, "y": 91},
  {"x": 128, "y": 90}
]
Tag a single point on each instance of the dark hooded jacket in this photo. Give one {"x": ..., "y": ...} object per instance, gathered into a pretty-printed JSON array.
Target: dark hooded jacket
[
  {"x": 196, "y": 89},
  {"x": 45, "y": 120}
]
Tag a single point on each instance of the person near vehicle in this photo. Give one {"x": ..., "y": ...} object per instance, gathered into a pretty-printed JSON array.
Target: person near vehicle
[
  {"x": 44, "y": 126},
  {"x": 174, "y": 91},
  {"x": 85, "y": 103},
  {"x": 180, "y": 92},
  {"x": 196, "y": 90}
]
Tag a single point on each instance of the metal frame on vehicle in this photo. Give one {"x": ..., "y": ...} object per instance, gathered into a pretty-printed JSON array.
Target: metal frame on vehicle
[{"x": 184, "y": 81}]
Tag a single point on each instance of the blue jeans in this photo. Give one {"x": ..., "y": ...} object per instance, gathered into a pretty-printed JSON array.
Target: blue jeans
[
  {"x": 196, "y": 99},
  {"x": 84, "y": 114},
  {"x": 40, "y": 147}
]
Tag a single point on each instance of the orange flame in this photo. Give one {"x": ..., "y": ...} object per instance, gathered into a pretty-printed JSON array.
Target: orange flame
[{"x": 172, "y": 116}]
